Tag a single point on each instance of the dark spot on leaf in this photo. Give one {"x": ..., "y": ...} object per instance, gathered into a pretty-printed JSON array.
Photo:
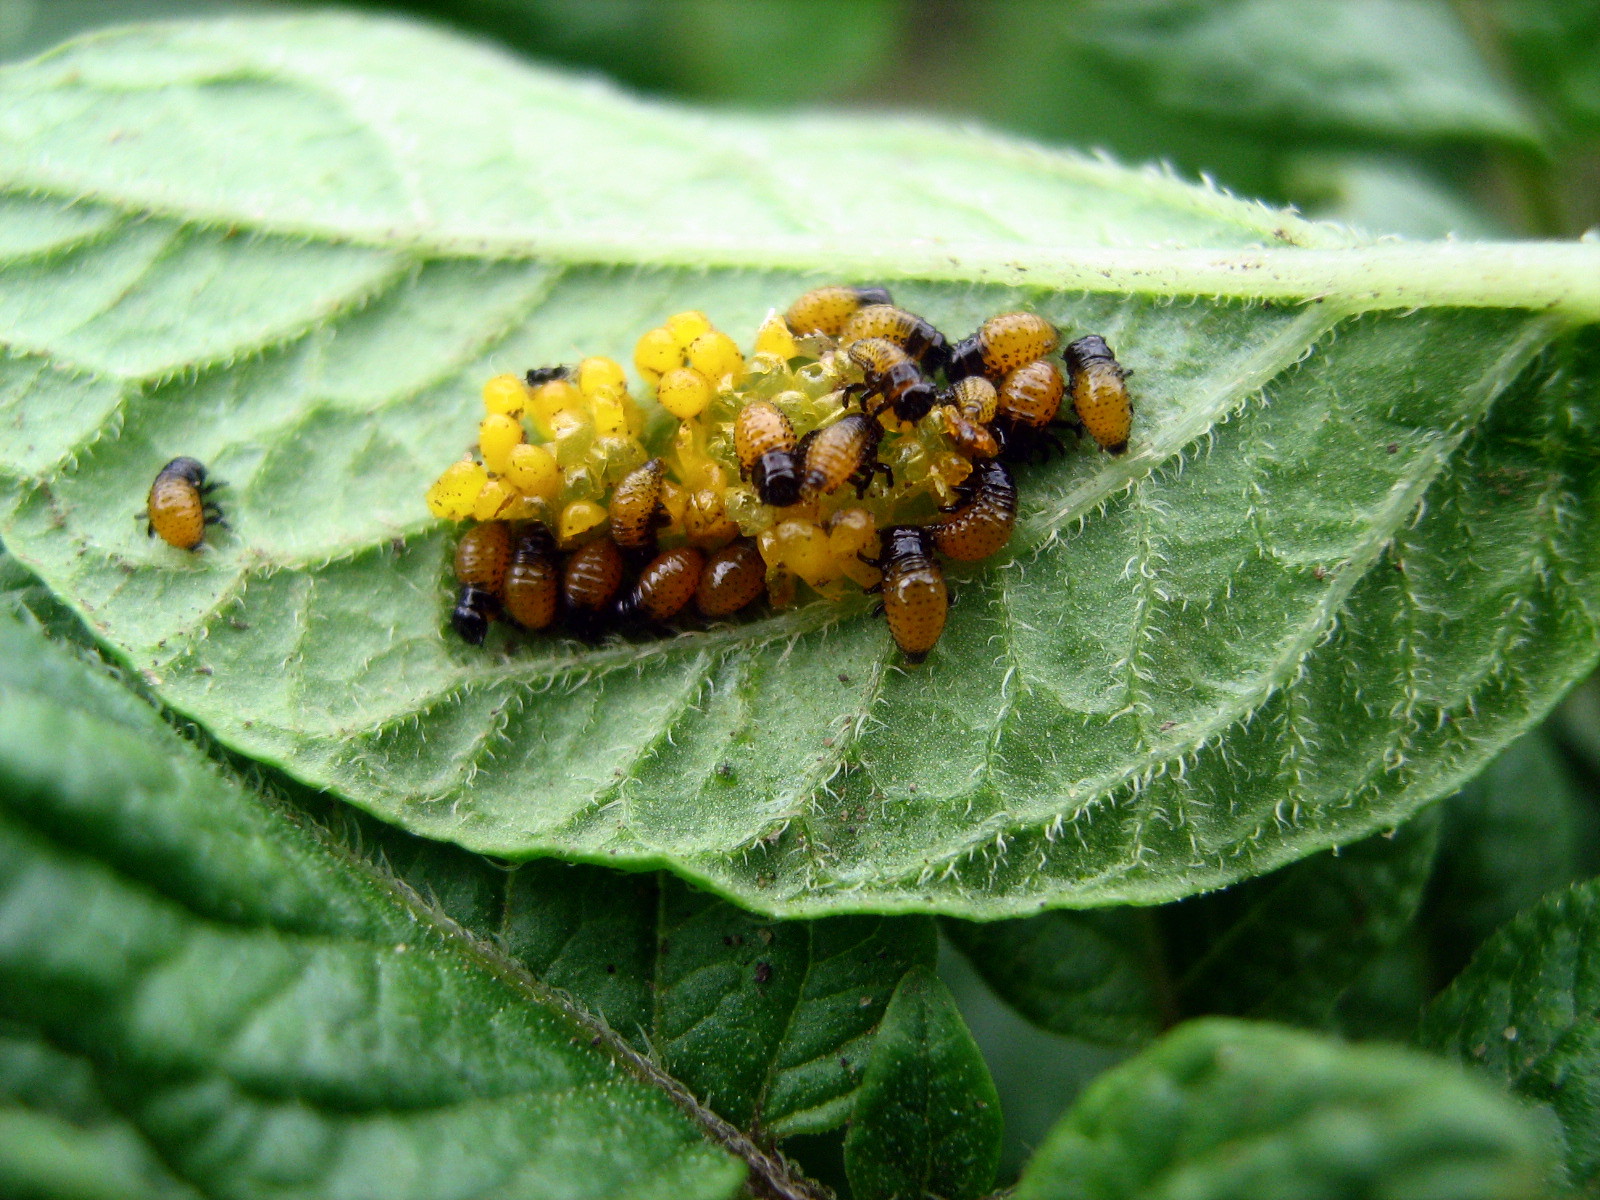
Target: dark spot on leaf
[
  {"x": 843, "y": 678},
  {"x": 1394, "y": 448},
  {"x": 611, "y": 968},
  {"x": 763, "y": 972}
]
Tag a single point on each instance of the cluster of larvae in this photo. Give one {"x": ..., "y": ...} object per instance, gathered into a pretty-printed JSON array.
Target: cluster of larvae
[{"x": 854, "y": 447}]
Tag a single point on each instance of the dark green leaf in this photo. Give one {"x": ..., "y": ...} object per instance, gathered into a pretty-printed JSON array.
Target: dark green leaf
[
  {"x": 295, "y": 248},
  {"x": 926, "y": 1121},
  {"x": 199, "y": 993},
  {"x": 1098, "y": 975},
  {"x": 1284, "y": 945},
  {"x": 1513, "y": 834},
  {"x": 1222, "y": 1109},
  {"x": 1527, "y": 1010}
]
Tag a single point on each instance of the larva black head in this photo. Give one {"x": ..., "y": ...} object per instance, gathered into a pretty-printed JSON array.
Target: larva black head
[
  {"x": 915, "y": 402},
  {"x": 873, "y": 295},
  {"x": 901, "y": 542},
  {"x": 540, "y": 375},
  {"x": 776, "y": 477},
  {"x": 470, "y": 619},
  {"x": 531, "y": 541},
  {"x": 1090, "y": 346},
  {"x": 191, "y": 469},
  {"x": 966, "y": 358}
]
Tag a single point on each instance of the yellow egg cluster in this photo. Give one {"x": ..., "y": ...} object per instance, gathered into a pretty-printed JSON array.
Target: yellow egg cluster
[
  {"x": 550, "y": 450},
  {"x": 554, "y": 446}
]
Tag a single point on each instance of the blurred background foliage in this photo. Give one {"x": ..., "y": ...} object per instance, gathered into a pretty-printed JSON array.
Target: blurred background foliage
[
  {"x": 1424, "y": 118},
  {"x": 1417, "y": 117}
]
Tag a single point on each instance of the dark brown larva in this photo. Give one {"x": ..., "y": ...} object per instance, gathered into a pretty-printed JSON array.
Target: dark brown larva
[
  {"x": 844, "y": 451},
  {"x": 483, "y": 555},
  {"x": 665, "y": 586},
  {"x": 986, "y": 517},
  {"x": 734, "y": 578},
  {"x": 826, "y": 309},
  {"x": 920, "y": 340},
  {"x": 635, "y": 505},
  {"x": 590, "y": 580},
  {"x": 1099, "y": 394},
  {"x": 890, "y": 373},
  {"x": 914, "y": 596},
  {"x": 177, "y": 510},
  {"x": 533, "y": 580}
]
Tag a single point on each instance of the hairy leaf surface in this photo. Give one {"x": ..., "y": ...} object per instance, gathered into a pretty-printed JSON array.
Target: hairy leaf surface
[
  {"x": 1224, "y": 1108},
  {"x": 1526, "y": 1010},
  {"x": 201, "y": 998},
  {"x": 1351, "y": 552}
]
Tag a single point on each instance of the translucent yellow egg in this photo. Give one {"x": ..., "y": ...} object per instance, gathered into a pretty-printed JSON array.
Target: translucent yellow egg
[
  {"x": 578, "y": 519},
  {"x": 705, "y": 521},
  {"x": 684, "y": 392},
  {"x": 716, "y": 356},
  {"x": 656, "y": 353},
  {"x": 496, "y": 497},
  {"x": 614, "y": 457},
  {"x": 600, "y": 374},
  {"x": 532, "y": 470},
  {"x": 498, "y": 436},
  {"x": 686, "y": 326},
  {"x": 526, "y": 508},
  {"x": 506, "y": 395},
  {"x": 610, "y": 421},
  {"x": 744, "y": 509},
  {"x": 774, "y": 338},
  {"x": 852, "y": 531},
  {"x": 455, "y": 492},
  {"x": 780, "y": 588},
  {"x": 803, "y": 549}
]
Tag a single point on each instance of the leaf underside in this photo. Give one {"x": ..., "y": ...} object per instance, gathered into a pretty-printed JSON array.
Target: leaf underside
[{"x": 1350, "y": 554}]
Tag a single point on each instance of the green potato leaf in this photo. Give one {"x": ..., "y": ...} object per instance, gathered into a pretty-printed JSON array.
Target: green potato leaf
[
  {"x": 769, "y": 1023},
  {"x": 1223, "y": 1108},
  {"x": 1283, "y": 946},
  {"x": 1526, "y": 1011},
  {"x": 927, "y": 1121},
  {"x": 199, "y": 996},
  {"x": 294, "y": 249}
]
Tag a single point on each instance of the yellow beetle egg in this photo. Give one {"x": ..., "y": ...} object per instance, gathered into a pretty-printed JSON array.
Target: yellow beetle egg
[
  {"x": 774, "y": 338},
  {"x": 684, "y": 393},
  {"x": 549, "y": 400},
  {"x": 453, "y": 494},
  {"x": 600, "y": 374},
  {"x": 505, "y": 395},
  {"x": 496, "y": 497},
  {"x": 577, "y": 519},
  {"x": 532, "y": 470},
  {"x": 525, "y": 508},
  {"x": 803, "y": 548},
  {"x": 498, "y": 435},
  {"x": 684, "y": 327},
  {"x": 716, "y": 355},
  {"x": 656, "y": 353}
]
